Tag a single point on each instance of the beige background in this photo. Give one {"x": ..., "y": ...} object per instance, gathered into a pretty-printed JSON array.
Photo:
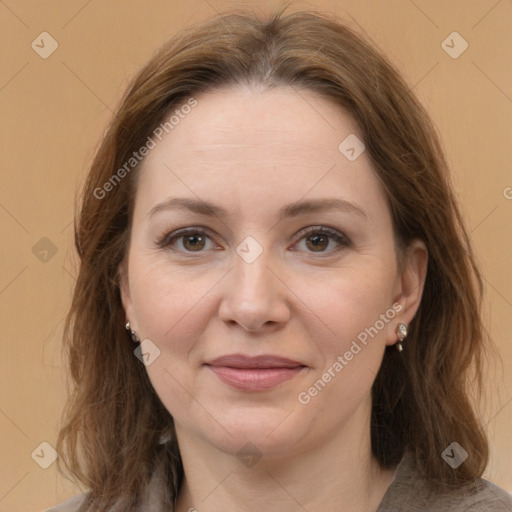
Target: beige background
[{"x": 54, "y": 110}]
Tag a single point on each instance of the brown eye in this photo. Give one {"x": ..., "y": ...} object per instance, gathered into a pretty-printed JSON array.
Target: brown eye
[
  {"x": 323, "y": 240},
  {"x": 317, "y": 242},
  {"x": 193, "y": 242},
  {"x": 187, "y": 241}
]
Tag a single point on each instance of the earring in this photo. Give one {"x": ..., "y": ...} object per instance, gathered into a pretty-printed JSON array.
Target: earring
[
  {"x": 133, "y": 334},
  {"x": 401, "y": 332}
]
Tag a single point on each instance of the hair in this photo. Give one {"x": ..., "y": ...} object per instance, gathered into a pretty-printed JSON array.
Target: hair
[{"x": 113, "y": 423}]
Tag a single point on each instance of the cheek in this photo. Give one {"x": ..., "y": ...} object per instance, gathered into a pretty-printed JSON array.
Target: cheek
[
  {"x": 355, "y": 313},
  {"x": 352, "y": 304},
  {"x": 165, "y": 298},
  {"x": 171, "y": 308}
]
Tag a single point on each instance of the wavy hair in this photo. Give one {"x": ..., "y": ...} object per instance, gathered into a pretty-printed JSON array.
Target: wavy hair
[{"x": 113, "y": 423}]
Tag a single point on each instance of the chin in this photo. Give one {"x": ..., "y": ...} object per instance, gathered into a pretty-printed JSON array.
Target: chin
[{"x": 270, "y": 436}]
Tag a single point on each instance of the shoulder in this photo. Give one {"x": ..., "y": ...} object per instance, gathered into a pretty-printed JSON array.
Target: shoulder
[
  {"x": 410, "y": 491},
  {"x": 75, "y": 504},
  {"x": 155, "y": 497},
  {"x": 478, "y": 496}
]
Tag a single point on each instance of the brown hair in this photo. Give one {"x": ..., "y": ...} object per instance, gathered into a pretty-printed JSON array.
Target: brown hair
[{"x": 110, "y": 439}]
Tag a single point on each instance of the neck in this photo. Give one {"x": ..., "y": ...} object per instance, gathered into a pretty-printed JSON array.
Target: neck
[{"x": 343, "y": 469}]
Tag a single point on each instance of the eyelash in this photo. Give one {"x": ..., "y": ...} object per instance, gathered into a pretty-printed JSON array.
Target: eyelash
[{"x": 343, "y": 241}]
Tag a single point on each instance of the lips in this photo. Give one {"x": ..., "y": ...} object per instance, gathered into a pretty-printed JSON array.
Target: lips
[
  {"x": 258, "y": 373},
  {"x": 263, "y": 361}
]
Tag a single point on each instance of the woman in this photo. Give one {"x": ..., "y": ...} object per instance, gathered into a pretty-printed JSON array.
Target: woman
[{"x": 278, "y": 305}]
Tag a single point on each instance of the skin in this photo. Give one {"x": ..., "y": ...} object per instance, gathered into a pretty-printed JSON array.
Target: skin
[{"x": 253, "y": 151}]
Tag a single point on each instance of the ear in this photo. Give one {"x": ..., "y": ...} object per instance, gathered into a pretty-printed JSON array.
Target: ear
[
  {"x": 124, "y": 289},
  {"x": 409, "y": 286}
]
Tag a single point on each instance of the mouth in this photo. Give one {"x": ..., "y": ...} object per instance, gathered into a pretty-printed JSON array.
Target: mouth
[{"x": 258, "y": 373}]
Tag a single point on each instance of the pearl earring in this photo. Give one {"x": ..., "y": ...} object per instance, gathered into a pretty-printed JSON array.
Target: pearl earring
[
  {"x": 401, "y": 332},
  {"x": 133, "y": 334}
]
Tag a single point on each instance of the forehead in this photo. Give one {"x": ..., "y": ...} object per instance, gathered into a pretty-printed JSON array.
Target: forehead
[
  {"x": 244, "y": 145},
  {"x": 260, "y": 124}
]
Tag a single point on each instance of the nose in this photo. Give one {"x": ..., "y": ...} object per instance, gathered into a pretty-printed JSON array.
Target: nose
[{"x": 254, "y": 296}]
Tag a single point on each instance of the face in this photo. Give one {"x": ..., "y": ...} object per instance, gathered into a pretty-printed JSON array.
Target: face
[{"x": 295, "y": 259}]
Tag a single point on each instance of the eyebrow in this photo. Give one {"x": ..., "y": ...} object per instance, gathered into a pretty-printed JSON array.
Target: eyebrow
[{"x": 202, "y": 207}]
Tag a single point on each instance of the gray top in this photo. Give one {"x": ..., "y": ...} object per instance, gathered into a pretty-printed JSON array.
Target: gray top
[{"x": 408, "y": 492}]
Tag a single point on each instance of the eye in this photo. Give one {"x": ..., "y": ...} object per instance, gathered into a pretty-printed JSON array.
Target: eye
[
  {"x": 189, "y": 240},
  {"x": 319, "y": 238}
]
